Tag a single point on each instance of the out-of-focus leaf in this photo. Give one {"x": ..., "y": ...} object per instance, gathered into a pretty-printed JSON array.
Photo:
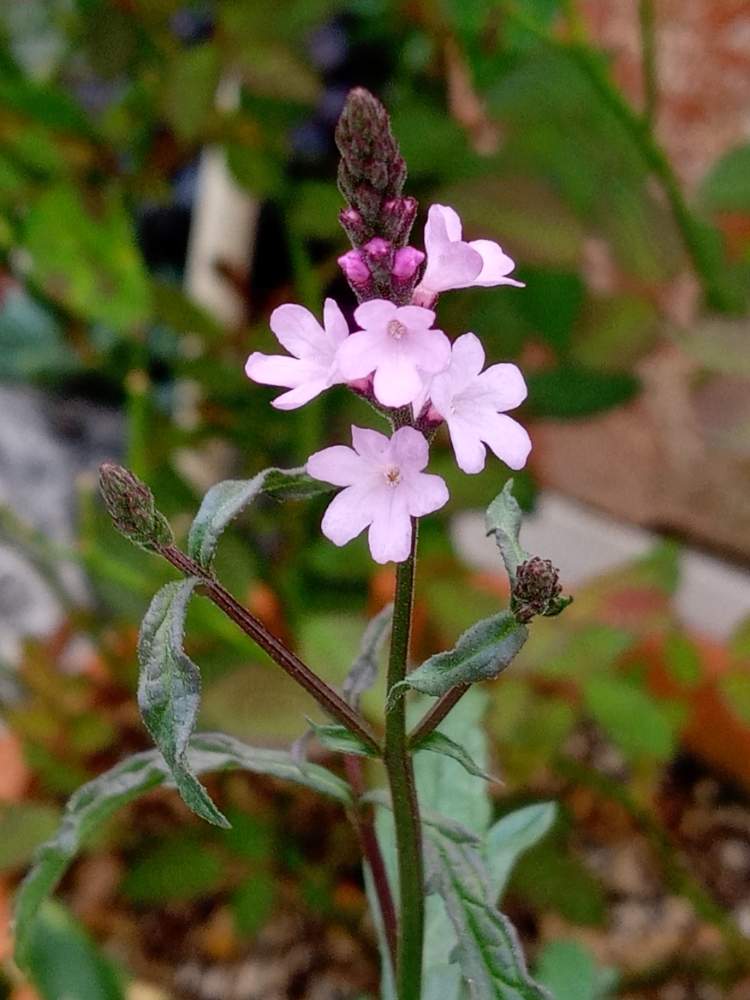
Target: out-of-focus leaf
[
  {"x": 720, "y": 344},
  {"x": 173, "y": 308},
  {"x": 23, "y": 827},
  {"x": 487, "y": 949},
  {"x": 448, "y": 152},
  {"x": 739, "y": 643},
  {"x": 512, "y": 835},
  {"x": 572, "y": 391},
  {"x": 638, "y": 723},
  {"x": 190, "y": 89},
  {"x": 682, "y": 658},
  {"x": 92, "y": 804},
  {"x": 226, "y": 500},
  {"x": 179, "y": 869},
  {"x": 88, "y": 261},
  {"x": 31, "y": 341},
  {"x": 481, "y": 653},
  {"x": 340, "y": 740},
  {"x": 503, "y": 520},
  {"x": 553, "y": 304},
  {"x": 438, "y": 742},
  {"x": 272, "y": 70},
  {"x": 64, "y": 962},
  {"x": 255, "y": 169},
  {"x": 364, "y": 670},
  {"x": 252, "y": 902},
  {"x": 169, "y": 691},
  {"x": 727, "y": 186},
  {"x": 315, "y": 210},
  {"x": 735, "y": 690},
  {"x": 550, "y": 878},
  {"x": 615, "y": 332},
  {"x": 569, "y": 972}
]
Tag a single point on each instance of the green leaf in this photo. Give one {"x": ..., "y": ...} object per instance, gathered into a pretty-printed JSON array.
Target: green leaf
[
  {"x": 572, "y": 391},
  {"x": 638, "y": 723},
  {"x": 91, "y": 264},
  {"x": 252, "y": 902},
  {"x": 727, "y": 187},
  {"x": 554, "y": 305},
  {"x": 93, "y": 803},
  {"x": 226, "y": 500},
  {"x": 515, "y": 833},
  {"x": 481, "y": 653},
  {"x": 169, "y": 691},
  {"x": 438, "y": 742},
  {"x": 173, "y": 308},
  {"x": 568, "y": 970},
  {"x": 340, "y": 740},
  {"x": 503, "y": 520},
  {"x": 735, "y": 690},
  {"x": 63, "y": 962},
  {"x": 190, "y": 89},
  {"x": 488, "y": 950},
  {"x": 179, "y": 868},
  {"x": 364, "y": 670},
  {"x": 682, "y": 658},
  {"x": 255, "y": 169}
]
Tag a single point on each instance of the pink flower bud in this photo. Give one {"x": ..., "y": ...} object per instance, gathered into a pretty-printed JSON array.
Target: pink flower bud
[
  {"x": 354, "y": 267},
  {"x": 378, "y": 249},
  {"x": 406, "y": 262}
]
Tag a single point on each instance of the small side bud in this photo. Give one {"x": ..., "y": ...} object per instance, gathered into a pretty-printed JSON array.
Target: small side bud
[
  {"x": 357, "y": 273},
  {"x": 354, "y": 226},
  {"x": 398, "y": 218},
  {"x": 406, "y": 263},
  {"x": 537, "y": 590},
  {"x": 130, "y": 504}
]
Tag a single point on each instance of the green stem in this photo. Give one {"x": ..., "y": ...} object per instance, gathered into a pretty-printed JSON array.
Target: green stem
[
  {"x": 648, "y": 60},
  {"x": 696, "y": 234},
  {"x": 398, "y": 764}
]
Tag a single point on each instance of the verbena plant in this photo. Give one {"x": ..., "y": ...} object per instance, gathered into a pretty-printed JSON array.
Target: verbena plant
[{"x": 416, "y": 379}]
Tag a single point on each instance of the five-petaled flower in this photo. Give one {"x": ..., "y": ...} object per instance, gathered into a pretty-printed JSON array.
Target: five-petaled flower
[
  {"x": 454, "y": 263},
  {"x": 398, "y": 345},
  {"x": 384, "y": 488},
  {"x": 313, "y": 366},
  {"x": 473, "y": 404}
]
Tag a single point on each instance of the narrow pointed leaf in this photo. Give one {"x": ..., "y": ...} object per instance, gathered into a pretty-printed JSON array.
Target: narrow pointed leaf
[
  {"x": 226, "y": 500},
  {"x": 169, "y": 689},
  {"x": 364, "y": 670},
  {"x": 95, "y": 802},
  {"x": 488, "y": 951},
  {"x": 503, "y": 520},
  {"x": 438, "y": 742},
  {"x": 512, "y": 835},
  {"x": 482, "y": 652},
  {"x": 340, "y": 740}
]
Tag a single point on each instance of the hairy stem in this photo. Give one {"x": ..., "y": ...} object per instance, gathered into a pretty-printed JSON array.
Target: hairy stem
[
  {"x": 363, "y": 823},
  {"x": 329, "y": 699},
  {"x": 398, "y": 764},
  {"x": 432, "y": 718}
]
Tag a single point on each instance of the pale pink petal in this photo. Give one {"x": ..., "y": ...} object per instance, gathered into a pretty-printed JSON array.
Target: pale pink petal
[
  {"x": 426, "y": 493},
  {"x": 391, "y": 528},
  {"x": 275, "y": 369},
  {"x": 430, "y": 350},
  {"x": 415, "y": 317},
  {"x": 496, "y": 265},
  {"x": 348, "y": 514},
  {"x": 508, "y": 440},
  {"x": 453, "y": 265},
  {"x": 506, "y": 384},
  {"x": 335, "y": 322},
  {"x": 397, "y": 381},
  {"x": 467, "y": 356},
  {"x": 424, "y": 394},
  {"x": 362, "y": 352},
  {"x": 441, "y": 393},
  {"x": 370, "y": 444},
  {"x": 376, "y": 312},
  {"x": 300, "y": 395},
  {"x": 339, "y": 465},
  {"x": 297, "y": 330},
  {"x": 468, "y": 448},
  {"x": 409, "y": 449},
  {"x": 443, "y": 226}
]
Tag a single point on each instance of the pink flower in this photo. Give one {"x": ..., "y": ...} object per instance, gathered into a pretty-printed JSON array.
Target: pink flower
[
  {"x": 384, "y": 489},
  {"x": 398, "y": 345},
  {"x": 453, "y": 263},
  {"x": 313, "y": 366},
  {"x": 473, "y": 405}
]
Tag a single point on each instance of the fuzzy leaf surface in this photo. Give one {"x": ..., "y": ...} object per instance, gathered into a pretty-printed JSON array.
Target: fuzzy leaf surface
[
  {"x": 364, "y": 670},
  {"x": 503, "y": 520},
  {"x": 511, "y": 836},
  {"x": 438, "y": 742}
]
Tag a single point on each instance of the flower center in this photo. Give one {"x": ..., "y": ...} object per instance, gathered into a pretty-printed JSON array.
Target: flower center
[
  {"x": 396, "y": 329},
  {"x": 392, "y": 475}
]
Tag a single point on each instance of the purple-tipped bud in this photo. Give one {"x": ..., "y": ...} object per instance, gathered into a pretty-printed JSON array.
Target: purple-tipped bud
[
  {"x": 130, "y": 504},
  {"x": 398, "y": 218},
  {"x": 354, "y": 225},
  {"x": 354, "y": 267},
  {"x": 378, "y": 250},
  {"x": 406, "y": 263}
]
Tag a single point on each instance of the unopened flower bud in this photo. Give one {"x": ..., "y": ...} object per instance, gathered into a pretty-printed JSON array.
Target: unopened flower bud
[
  {"x": 536, "y": 590},
  {"x": 406, "y": 263},
  {"x": 354, "y": 225},
  {"x": 398, "y": 218},
  {"x": 130, "y": 504},
  {"x": 354, "y": 267}
]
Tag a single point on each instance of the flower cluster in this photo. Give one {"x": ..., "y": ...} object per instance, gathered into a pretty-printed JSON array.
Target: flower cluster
[{"x": 396, "y": 357}]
